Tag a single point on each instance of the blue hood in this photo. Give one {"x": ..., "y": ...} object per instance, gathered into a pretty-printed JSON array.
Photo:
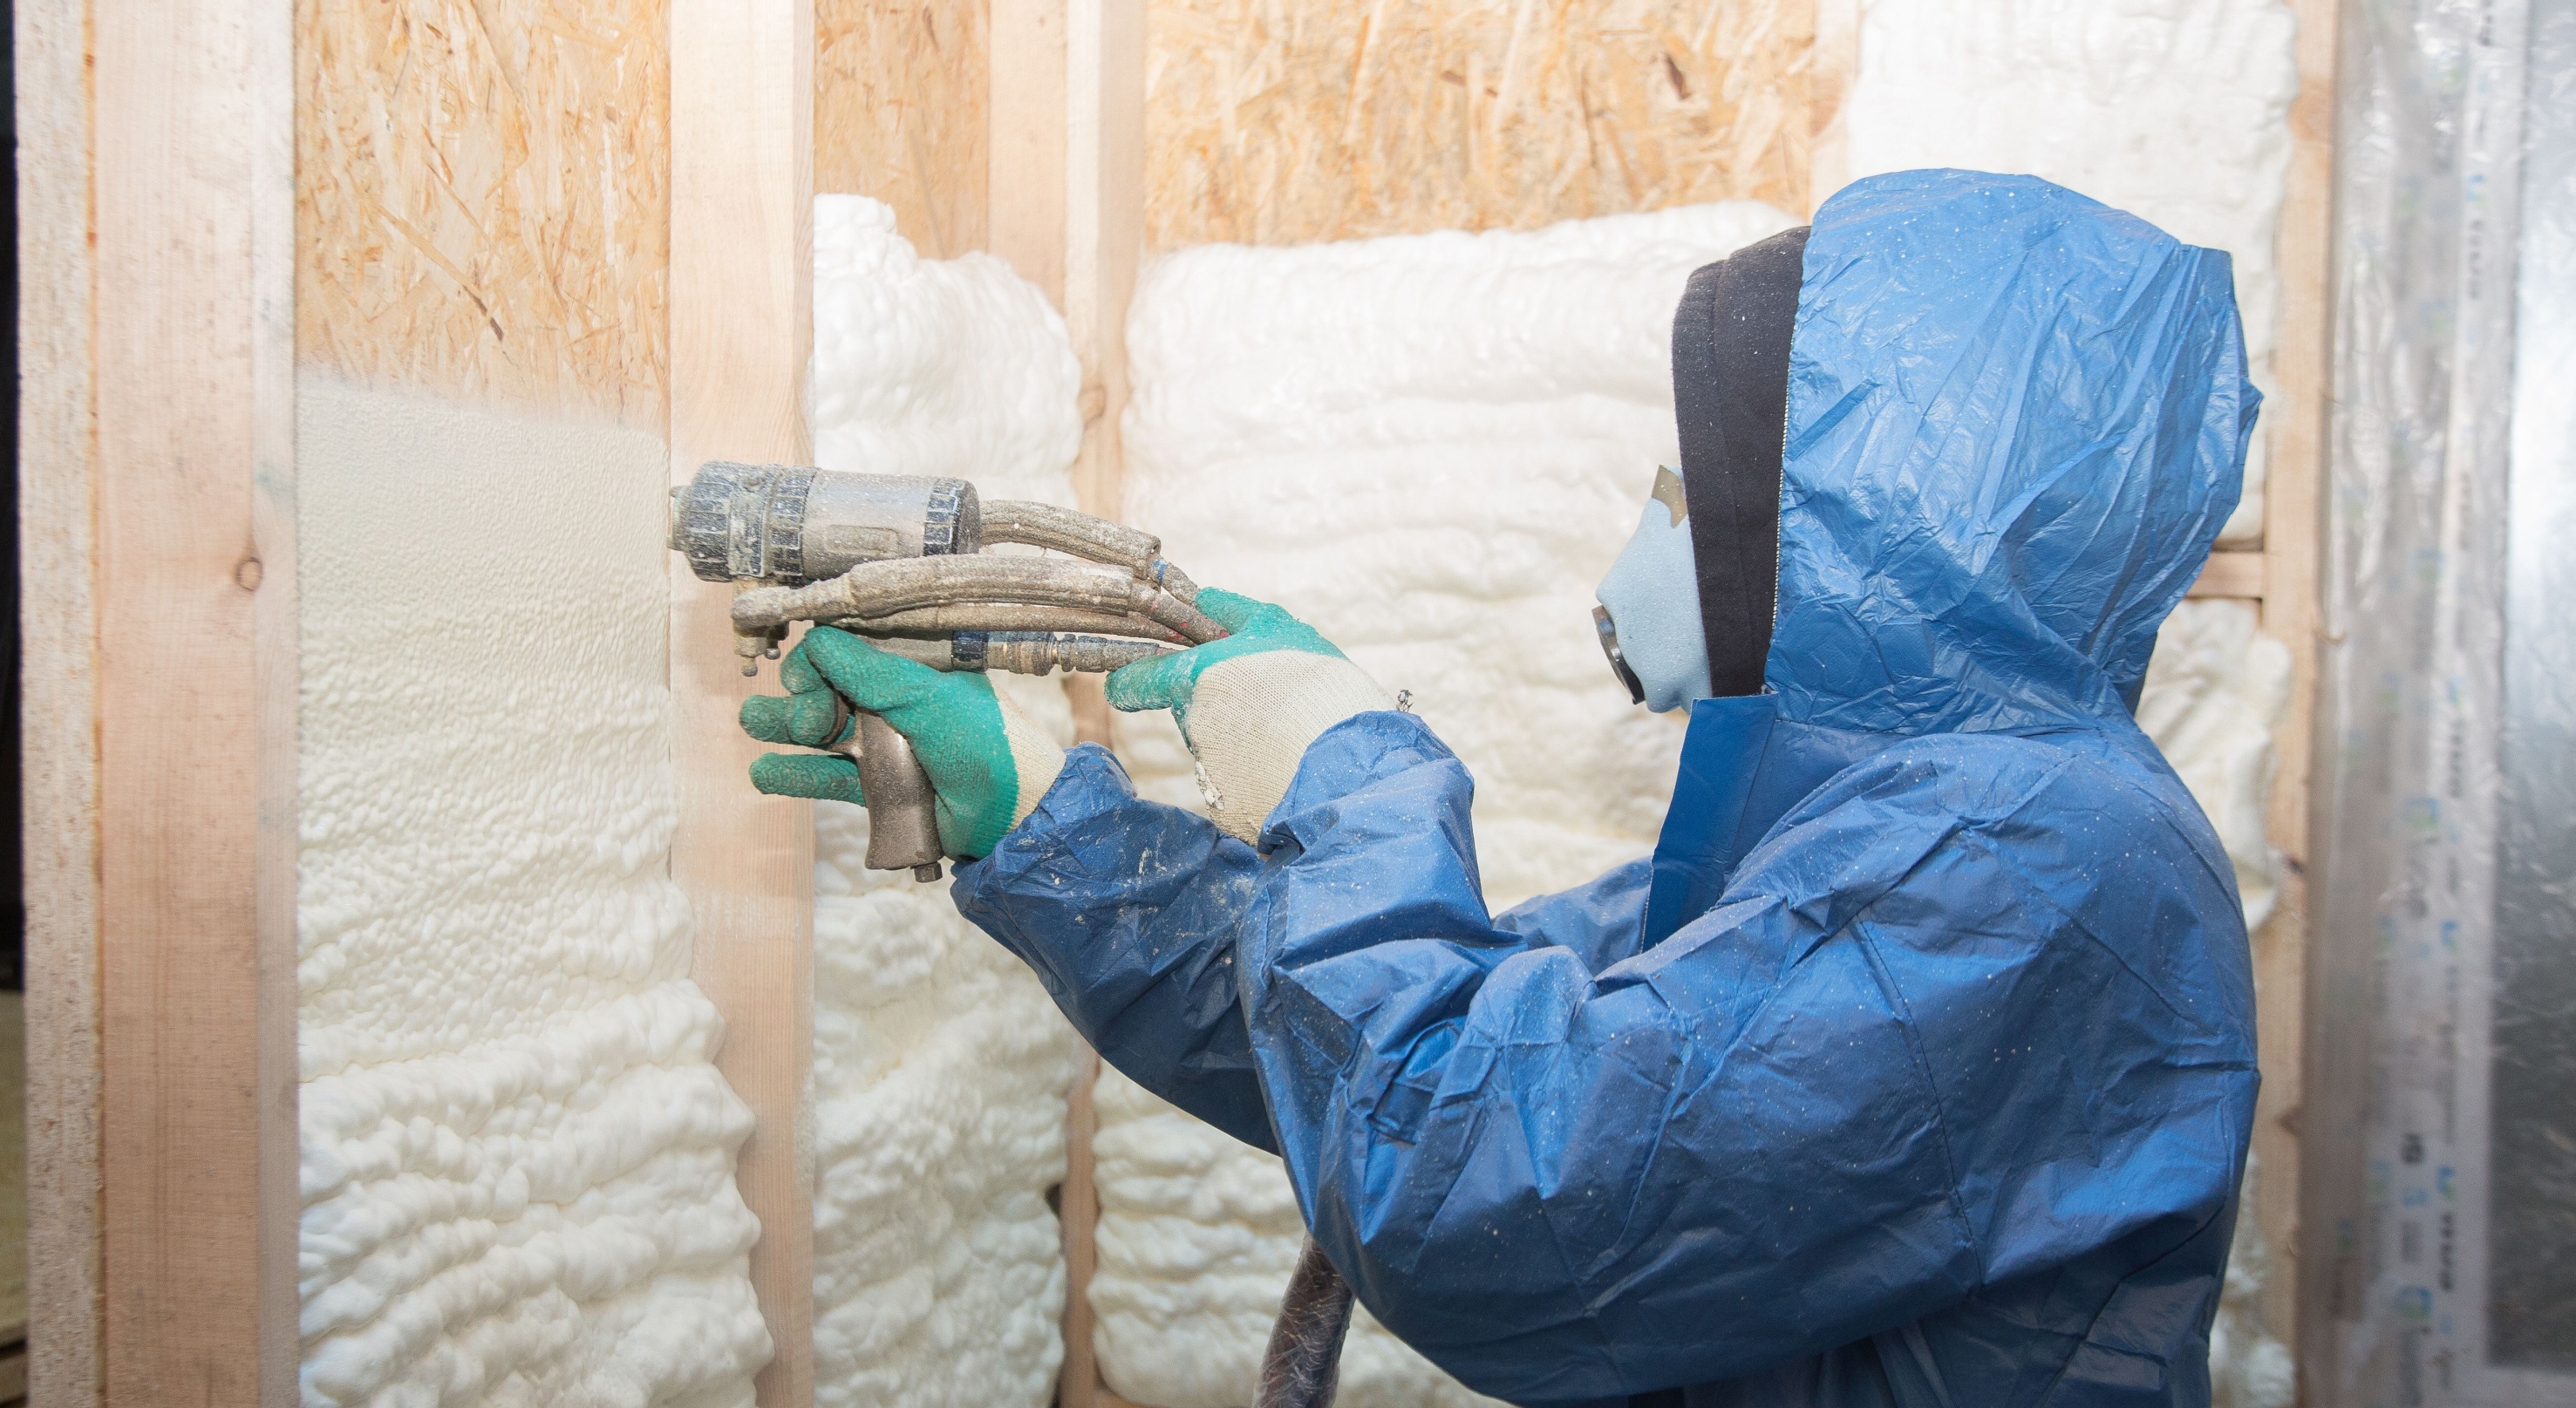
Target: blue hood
[{"x": 1980, "y": 530}]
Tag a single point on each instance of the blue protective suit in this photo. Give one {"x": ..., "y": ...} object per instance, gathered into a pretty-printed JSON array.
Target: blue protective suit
[{"x": 1917, "y": 1065}]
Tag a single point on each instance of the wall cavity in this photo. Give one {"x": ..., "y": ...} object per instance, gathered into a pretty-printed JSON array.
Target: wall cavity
[
  {"x": 940, "y": 1064},
  {"x": 2174, "y": 110},
  {"x": 517, "y": 1157}
]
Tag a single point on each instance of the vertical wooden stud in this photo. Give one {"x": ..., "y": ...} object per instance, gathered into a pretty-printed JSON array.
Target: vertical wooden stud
[
  {"x": 57, "y": 464},
  {"x": 193, "y": 217},
  {"x": 270, "y": 576},
  {"x": 1026, "y": 166},
  {"x": 1104, "y": 179},
  {"x": 742, "y": 152},
  {"x": 1068, "y": 212},
  {"x": 2293, "y": 536},
  {"x": 1078, "y": 1385}
]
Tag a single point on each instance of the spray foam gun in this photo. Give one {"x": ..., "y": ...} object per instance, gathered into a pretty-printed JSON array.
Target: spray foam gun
[{"x": 899, "y": 559}]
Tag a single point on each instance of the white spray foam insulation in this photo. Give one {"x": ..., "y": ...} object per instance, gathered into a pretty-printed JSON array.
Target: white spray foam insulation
[
  {"x": 517, "y": 1158},
  {"x": 940, "y": 1064},
  {"x": 2215, "y": 690},
  {"x": 2177, "y": 111},
  {"x": 1430, "y": 447}
]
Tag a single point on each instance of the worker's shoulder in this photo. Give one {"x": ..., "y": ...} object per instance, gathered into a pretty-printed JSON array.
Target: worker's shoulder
[{"x": 2092, "y": 800}]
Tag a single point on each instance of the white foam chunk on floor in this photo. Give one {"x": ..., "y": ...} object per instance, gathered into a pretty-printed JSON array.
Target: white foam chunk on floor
[
  {"x": 1430, "y": 447},
  {"x": 940, "y": 1065},
  {"x": 2174, "y": 110},
  {"x": 2215, "y": 690},
  {"x": 517, "y": 1158}
]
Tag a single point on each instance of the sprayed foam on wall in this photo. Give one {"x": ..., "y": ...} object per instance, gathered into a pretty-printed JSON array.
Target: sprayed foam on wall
[
  {"x": 1431, "y": 447},
  {"x": 517, "y": 1158},
  {"x": 940, "y": 1065},
  {"x": 2174, "y": 110}
]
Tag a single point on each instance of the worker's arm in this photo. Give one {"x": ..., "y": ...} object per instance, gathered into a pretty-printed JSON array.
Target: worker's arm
[
  {"x": 1601, "y": 920},
  {"x": 1128, "y": 910},
  {"x": 1901, "y": 1060}
]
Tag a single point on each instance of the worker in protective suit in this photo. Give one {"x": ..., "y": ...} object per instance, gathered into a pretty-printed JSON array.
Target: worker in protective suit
[{"x": 1916, "y": 1065}]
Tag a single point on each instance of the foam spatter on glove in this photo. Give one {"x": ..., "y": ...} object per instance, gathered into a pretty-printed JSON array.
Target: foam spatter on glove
[{"x": 1249, "y": 704}]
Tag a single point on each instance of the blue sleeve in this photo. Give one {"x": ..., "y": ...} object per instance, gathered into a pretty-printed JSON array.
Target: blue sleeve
[
  {"x": 1128, "y": 911},
  {"x": 1963, "y": 1016},
  {"x": 1601, "y": 920}
]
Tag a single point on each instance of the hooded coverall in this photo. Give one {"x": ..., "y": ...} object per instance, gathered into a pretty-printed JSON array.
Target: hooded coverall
[{"x": 1916, "y": 1066}]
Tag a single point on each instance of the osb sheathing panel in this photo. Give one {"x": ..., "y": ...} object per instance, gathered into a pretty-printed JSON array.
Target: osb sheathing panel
[
  {"x": 900, "y": 113},
  {"x": 1287, "y": 121},
  {"x": 483, "y": 198}
]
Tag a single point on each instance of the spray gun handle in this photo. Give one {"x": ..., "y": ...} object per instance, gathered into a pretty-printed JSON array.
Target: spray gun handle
[{"x": 903, "y": 816}]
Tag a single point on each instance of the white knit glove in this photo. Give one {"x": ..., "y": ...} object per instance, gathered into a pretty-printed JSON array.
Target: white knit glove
[{"x": 1250, "y": 704}]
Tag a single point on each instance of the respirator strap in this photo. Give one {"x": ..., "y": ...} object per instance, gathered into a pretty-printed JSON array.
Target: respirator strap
[{"x": 1731, "y": 398}]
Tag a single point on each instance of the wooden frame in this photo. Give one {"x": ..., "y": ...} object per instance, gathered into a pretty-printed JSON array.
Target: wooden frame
[
  {"x": 158, "y": 463},
  {"x": 742, "y": 308}
]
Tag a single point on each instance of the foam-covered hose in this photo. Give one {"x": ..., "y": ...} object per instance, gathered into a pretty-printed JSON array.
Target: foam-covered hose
[
  {"x": 877, "y": 589},
  {"x": 1302, "y": 1365},
  {"x": 1081, "y": 535},
  {"x": 958, "y": 616}
]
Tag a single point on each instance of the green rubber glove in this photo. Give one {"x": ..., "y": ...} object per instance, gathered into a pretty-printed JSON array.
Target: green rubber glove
[
  {"x": 1250, "y": 704},
  {"x": 986, "y": 761}
]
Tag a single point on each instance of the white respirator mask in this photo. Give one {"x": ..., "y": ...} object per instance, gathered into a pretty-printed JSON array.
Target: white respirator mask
[{"x": 1648, "y": 619}]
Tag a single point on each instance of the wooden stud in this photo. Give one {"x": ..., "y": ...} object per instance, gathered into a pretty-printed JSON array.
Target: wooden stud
[
  {"x": 1104, "y": 178},
  {"x": 1067, "y": 212},
  {"x": 2302, "y": 371},
  {"x": 742, "y": 150},
  {"x": 58, "y": 752},
  {"x": 1026, "y": 161},
  {"x": 271, "y": 576},
  {"x": 192, "y": 145},
  {"x": 1078, "y": 1209}
]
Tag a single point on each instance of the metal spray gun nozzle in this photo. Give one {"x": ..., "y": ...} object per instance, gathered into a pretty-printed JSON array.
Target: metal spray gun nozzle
[{"x": 899, "y": 559}]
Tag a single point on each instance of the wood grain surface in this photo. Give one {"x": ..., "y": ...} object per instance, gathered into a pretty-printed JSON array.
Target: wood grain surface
[{"x": 742, "y": 152}]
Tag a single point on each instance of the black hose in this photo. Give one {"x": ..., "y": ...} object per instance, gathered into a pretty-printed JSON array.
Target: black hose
[{"x": 1302, "y": 1366}]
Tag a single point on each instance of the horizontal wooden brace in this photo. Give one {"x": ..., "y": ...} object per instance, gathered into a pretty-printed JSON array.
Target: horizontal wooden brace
[{"x": 2232, "y": 574}]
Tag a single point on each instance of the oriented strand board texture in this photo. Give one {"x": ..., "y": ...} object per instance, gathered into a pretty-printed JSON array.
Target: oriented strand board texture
[
  {"x": 483, "y": 203},
  {"x": 901, "y": 114},
  {"x": 1296, "y": 121}
]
